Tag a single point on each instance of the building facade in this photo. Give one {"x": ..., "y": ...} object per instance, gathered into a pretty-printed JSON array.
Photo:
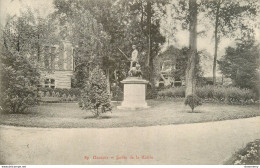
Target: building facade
[{"x": 56, "y": 65}]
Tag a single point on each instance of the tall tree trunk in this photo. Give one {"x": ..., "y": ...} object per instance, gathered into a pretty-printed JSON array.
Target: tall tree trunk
[
  {"x": 108, "y": 81},
  {"x": 190, "y": 71},
  {"x": 149, "y": 18},
  {"x": 18, "y": 43},
  {"x": 5, "y": 44},
  {"x": 142, "y": 17},
  {"x": 216, "y": 43},
  {"x": 38, "y": 47},
  {"x": 115, "y": 76},
  {"x": 149, "y": 62}
]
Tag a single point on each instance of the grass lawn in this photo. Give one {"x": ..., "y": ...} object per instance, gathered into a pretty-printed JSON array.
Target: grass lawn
[{"x": 69, "y": 115}]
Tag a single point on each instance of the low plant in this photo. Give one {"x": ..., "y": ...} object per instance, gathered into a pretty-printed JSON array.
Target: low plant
[
  {"x": 176, "y": 92},
  {"x": 117, "y": 93},
  {"x": 193, "y": 101},
  {"x": 228, "y": 95},
  {"x": 65, "y": 95},
  {"x": 205, "y": 92}
]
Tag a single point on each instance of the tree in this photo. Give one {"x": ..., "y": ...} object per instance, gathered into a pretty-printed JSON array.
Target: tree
[
  {"x": 94, "y": 95},
  {"x": 21, "y": 43},
  {"x": 241, "y": 64},
  {"x": 125, "y": 23},
  {"x": 78, "y": 25},
  {"x": 177, "y": 59},
  {"x": 227, "y": 17},
  {"x": 190, "y": 97},
  {"x": 190, "y": 71},
  {"x": 134, "y": 22},
  {"x": 19, "y": 79},
  {"x": 27, "y": 34},
  {"x": 150, "y": 26}
]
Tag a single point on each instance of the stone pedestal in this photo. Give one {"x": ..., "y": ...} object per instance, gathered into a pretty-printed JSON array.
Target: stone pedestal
[{"x": 134, "y": 93}]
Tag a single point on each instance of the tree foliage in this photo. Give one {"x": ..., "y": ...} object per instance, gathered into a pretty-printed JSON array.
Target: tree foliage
[
  {"x": 27, "y": 34},
  {"x": 19, "y": 79},
  {"x": 21, "y": 43},
  {"x": 177, "y": 59},
  {"x": 241, "y": 64},
  {"x": 94, "y": 95},
  {"x": 227, "y": 17},
  {"x": 123, "y": 22},
  {"x": 78, "y": 25}
]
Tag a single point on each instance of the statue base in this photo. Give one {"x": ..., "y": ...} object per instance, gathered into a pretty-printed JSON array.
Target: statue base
[{"x": 134, "y": 93}]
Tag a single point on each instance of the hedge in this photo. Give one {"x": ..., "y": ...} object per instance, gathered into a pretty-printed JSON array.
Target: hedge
[
  {"x": 228, "y": 95},
  {"x": 63, "y": 95}
]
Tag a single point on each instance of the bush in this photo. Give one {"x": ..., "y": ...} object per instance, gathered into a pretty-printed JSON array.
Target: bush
[
  {"x": 72, "y": 94},
  {"x": 205, "y": 92},
  {"x": 151, "y": 92},
  {"x": 193, "y": 101},
  {"x": 228, "y": 95},
  {"x": 94, "y": 95},
  {"x": 117, "y": 93},
  {"x": 219, "y": 94},
  {"x": 239, "y": 96},
  {"x": 19, "y": 79},
  {"x": 177, "y": 92},
  {"x": 47, "y": 94}
]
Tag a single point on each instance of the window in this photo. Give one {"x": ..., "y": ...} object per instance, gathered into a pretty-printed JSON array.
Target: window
[
  {"x": 49, "y": 56},
  {"x": 49, "y": 83}
]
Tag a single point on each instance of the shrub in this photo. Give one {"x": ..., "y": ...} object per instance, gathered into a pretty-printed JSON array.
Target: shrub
[
  {"x": 41, "y": 94},
  {"x": 53, "y": 94},
  {"x": 57, "y": 94},
  {"x": 179, "y": 92},
  {"x": 117, "y": 93},
  {"x": 64, "y": 97},
  {"x": 47, "y": 94},
  {"x": 94, "y": 95},
  {"x": 176, "y": 92},
  {"x": 229, "y": 95},
  {"x": 205, "y": 92},
  {"x": 219, "y": 94},
  {"x": 193, "y": 101},
  {"x": 66, "y": 94},
  {"x": 74, "y": 98},
  {"x": 19, "y": 79},
  {"x": 151, "y": 92},
  {"x": 69, "y": 98}
]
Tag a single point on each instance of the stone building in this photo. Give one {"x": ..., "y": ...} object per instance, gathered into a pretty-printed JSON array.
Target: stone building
[{"x": 56, "y": 65}]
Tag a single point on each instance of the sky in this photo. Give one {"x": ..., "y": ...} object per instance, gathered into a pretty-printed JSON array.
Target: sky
[
  {"x": 44, "y": 7},
  {"x": 13, "y": 7}
]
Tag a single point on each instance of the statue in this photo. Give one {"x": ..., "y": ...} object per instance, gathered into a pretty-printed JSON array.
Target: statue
[
  {"x": 135, "y": 68},
  {"x": 135, "y": 71},
  {"x": 134, "y": 58},
  {"x": 134, "y": 85}
]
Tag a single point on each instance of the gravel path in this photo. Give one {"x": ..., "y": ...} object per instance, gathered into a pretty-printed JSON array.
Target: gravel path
[{"x": 200, "y": 143}]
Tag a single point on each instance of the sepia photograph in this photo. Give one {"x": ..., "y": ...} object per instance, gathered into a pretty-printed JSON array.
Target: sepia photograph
[{"x": 129, "y": 82}]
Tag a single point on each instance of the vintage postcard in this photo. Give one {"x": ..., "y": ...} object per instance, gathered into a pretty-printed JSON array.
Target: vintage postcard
[{"x": 129, "y": 82}]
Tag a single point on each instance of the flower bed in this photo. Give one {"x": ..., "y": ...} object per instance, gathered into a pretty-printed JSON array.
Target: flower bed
[{"x": 250, "y": 155}]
